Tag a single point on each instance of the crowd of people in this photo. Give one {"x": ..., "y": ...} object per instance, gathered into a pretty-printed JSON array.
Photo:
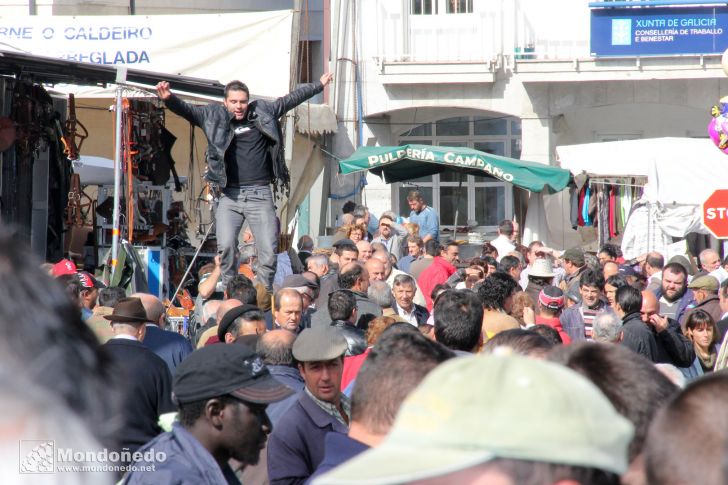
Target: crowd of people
[{"x": 387, "y": 359}]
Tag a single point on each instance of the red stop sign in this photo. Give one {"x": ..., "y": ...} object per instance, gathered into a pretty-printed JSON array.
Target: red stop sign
[{"x": 715, "y": 213}]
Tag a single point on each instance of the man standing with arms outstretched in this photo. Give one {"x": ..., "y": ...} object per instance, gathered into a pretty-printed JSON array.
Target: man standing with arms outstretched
[{"x": 244, "y": 157}]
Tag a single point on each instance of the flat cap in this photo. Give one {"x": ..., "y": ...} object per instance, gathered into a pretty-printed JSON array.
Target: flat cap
[
  {"x": 297, "y": 281},
  {"x": 230, "y": 317},
  {"x": 707, "y": 282},
  {"x": 575, "y": 255},
  {"x": 341, "y": 242},
  {"x": 319, "y": 343}
]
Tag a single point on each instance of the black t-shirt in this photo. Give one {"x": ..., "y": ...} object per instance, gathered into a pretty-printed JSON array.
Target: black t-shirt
[{"x": 247, "y": 159}]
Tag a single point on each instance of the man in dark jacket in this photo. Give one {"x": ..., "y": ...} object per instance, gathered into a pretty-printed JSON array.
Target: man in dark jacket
[
  {"x": 672, "y": 346},
  {"x": 222, "y": 392},
  {"x": 244, "y": 156},
  {"x": 142, "y": 376},
  {"x": 296, "y": 446},
  {"x": 342, "y": 308},
  {"x": 636, "y": 334},
  {"x": 404, "y": 289},
  {"x": 170, "y": 346}
]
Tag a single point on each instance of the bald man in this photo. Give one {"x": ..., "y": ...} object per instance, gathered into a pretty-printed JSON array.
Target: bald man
[
  {"x": 390, "y": 272},
  {"x": 170, "y": 346},
  {"x": 672, "y": 346},
  {"x": 709, "y": 260},
  {"x": 610, "y": 269},
  {"x": 375, "y": 268},
  {"x": 365, "y": 250},
  {"x": 275, "y": 348},
  {"x": 210, "y": 335}
]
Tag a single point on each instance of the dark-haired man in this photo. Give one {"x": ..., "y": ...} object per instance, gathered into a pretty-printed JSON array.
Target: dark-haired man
[
  {"x": 244, "y": 156},
  {"x": 636, "y": 334},
  {"x": 342, "y": 309},
  {"x": 458, "y": 321},
  {"x": 423, "y": 216},
  {"x": 674, "y": 296},
  {"x": 577, "y": 320},
  {"x": 222, "y": 392},
  {"x": 504, "y": 242}
]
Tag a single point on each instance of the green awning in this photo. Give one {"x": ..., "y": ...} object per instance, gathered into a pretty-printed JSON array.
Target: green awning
[{"x": 409, "y": 162}]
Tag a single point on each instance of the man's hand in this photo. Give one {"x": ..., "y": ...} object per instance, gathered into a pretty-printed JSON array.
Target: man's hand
[
  {"x": 326, "y": 78},
  {"x": 218, "y": 261},
  {"x": 659, "y": 322},
  {"x": 163, "y": 90}
]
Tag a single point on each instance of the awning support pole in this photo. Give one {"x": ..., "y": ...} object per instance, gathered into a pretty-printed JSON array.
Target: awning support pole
[{"x": 115, "y": 231}]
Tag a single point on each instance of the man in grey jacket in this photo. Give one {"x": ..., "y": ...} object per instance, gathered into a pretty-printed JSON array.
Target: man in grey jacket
[{"x": 244, "y": 156}]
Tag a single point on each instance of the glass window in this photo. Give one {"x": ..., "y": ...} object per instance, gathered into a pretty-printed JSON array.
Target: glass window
[
  {"x": 424, "y": 7},
  {"x": 404, "y": 190},
  {"x": 450, "y": 198},
  {"x": 515, "y": 148},
  {"x": 516, "y": 127},
  {"x": 459, "y": 6},
  {"x": 494, "y": 147},
  {"x": 490, "y": 205},
  {"x": 422, "y": 130},
  {"x": 486, "y": 126},
  {"x": 453, "y": 127},
  {"x": 454, "y": 176}
]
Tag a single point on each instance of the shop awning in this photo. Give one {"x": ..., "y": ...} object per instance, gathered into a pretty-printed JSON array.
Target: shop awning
[{"x": 408, "y": 162}]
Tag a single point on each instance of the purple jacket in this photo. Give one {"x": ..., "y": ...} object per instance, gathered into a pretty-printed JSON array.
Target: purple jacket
[{"x": 296, "y": 446}]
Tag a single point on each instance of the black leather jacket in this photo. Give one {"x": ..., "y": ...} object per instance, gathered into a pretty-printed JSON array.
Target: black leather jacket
[
  {"x": 356, "y": 341},
  {"x": 214, "y": 119}
]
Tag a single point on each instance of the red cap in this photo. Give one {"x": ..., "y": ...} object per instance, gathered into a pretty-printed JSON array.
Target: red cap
[{"x": 64, "y": 267}]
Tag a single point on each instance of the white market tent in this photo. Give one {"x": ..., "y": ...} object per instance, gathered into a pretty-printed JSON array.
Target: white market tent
[{"x": 681, "y": 173}]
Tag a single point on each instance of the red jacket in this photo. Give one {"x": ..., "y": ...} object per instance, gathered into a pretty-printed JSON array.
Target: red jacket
[
  {"x": 435, "y": 274},
  {"x": 554, "y": 323}
]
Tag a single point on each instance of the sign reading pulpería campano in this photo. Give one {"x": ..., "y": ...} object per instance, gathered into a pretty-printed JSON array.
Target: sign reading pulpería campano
[
  {"x": 715, "y": 213},
  {"x": 651, "y": 31}
]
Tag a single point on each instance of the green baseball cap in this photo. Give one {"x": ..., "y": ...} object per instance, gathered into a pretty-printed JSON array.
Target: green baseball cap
[{"x": 473, "y": 409}]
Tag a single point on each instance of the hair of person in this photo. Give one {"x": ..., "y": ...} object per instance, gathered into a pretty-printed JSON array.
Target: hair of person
[
  {"x": 724, "y": 288},
  {"x": 632, "y": 384},
  {"x": 437, "y": 291},
  {"x": 458, "y": 318},
  {"x": 360, "y": 211},
  {"x": 592, "y": 278},
  {"x": 415, "y": 195},
  {"x": 377, "y": 246},
  {"x": 387, "y": 217},
  {"x": 508, "y": 263},
  {"x": 506, "y": 227},
  {"x": 236, "y": 86},
  {"x": 72, "y": 287},
  {"x": 611, "y": 250},
  {"x": 341, "y": 304},
  {"x": 521, "y": 301},
  {"x": 448, "y": 243},
  {"x": 488, "y": 249},
  {"x": 606, "y": 328},
  {"x": 53, "y": 348},
  {"x": 378, "y": 326},
  {"x": 525, "y": 472},
  {"x": 432, "y": 248},
  {"x": 348, "y": 207},
  {"x": 380, "y": 293},
  {"x": 415, "y": 240},
  {"x": 247, "y": 253},
  {"x": 548, "y": 332},
  {"x": 629, "y": 299},
  {"x": 355, "y": 227},
  {"x": 489, "y": 261},
  {"x": 347, "y": 279},
  {"x": 236, "y": 282},
  {"x": 190, "y": 412},
  {"x": 521, "y": 252},
  {"x": 285, "y": 292},
  {"x": 111, "y": 295},
  {"x": 494, "y": 290},
  {"x": 404, "y": 279},
  {"x": 690, "y": 425},
  {"x": 675, "y": 268},
  {"x": 275, "y": 351},
  {"x": 249, "y": 316},
  {"x": 247, "y": 294},
  {"x": 305, "y": 243},
  {"x": 700, "y": 319},
  {"x": 520, "y": 341},
  {"x": 655, "y": 260},
  {"x": 617, "y": 281},
  {"x": 534, "y": 244},
  {"x": 318, "y": 260},
  {"x": 394, "y": 367},
  {"x": 342, "y": 248}
]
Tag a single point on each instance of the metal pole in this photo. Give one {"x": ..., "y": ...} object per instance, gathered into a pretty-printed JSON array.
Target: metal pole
[
  {"x": 115, "y": 231},
  {"x": 189, "y": 267}
]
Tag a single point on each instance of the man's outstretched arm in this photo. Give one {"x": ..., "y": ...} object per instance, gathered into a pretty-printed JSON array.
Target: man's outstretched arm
[
  {"x": 299, "y": 95},
  {"x": 193, "y": 114}
]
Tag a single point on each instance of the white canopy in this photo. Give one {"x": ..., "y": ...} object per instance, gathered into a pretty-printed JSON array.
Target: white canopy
[{"x": 679, "y": 170}]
